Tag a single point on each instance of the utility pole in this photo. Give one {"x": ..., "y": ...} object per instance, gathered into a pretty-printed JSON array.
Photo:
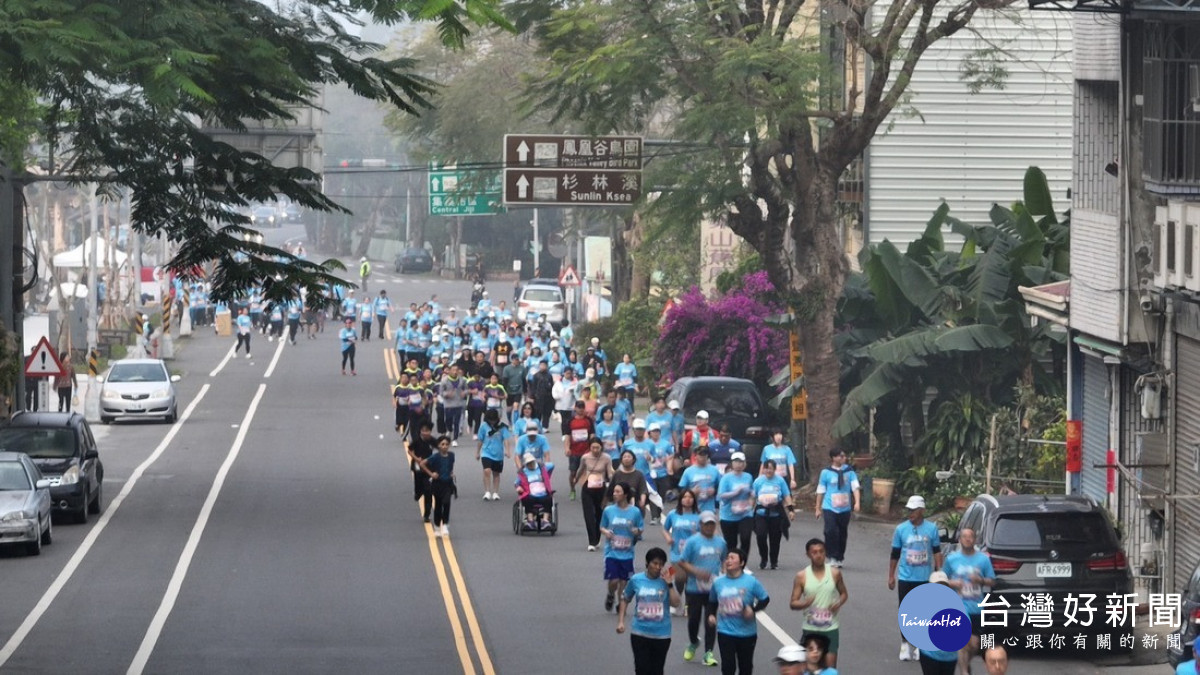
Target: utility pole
[
  {"x": 11, "y": 263},
  {"x": 537, "y": 249},
  {"x": 407, "y": 217},
  {"x": 91, "y": 397}
]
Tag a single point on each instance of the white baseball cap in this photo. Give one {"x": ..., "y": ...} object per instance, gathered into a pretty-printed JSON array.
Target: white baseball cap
[
  {"x": 532, "y": 429},
  {"x": 529, "y": 458},
  {"x": 737, "y": 456},
  {"x": 791, "y": 654},
  {"x": 654, "y": 426},
  {"x": 702, "y": 414},
  {"x": 673, "y": 405},
  {"x": 708, "y": 517},
  {"x": 595, "y": 341},
  {"x": 939, "y": 577},
  {"x": 915, "y": 502},
  {"x": 639, "y": 423}
]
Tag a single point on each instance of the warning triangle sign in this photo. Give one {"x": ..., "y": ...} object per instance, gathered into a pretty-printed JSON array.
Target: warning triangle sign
[
  {"x": 568, "y": 277},
  {"x": 43, "y": 362}
]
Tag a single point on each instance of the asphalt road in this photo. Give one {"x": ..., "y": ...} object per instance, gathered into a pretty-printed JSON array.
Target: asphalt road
[{"x": 272, "y": 530}]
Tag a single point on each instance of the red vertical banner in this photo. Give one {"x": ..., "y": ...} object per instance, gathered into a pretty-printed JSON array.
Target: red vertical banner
[
  {"x": 1074, "y": 446},
  {"x": 1112, "y": 471}
]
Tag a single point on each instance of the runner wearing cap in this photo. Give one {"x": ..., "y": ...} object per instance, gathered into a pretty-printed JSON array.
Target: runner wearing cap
[
  {"x": 702, "y": 478},
  {"x": 702, "y": 557},
  {"x": 738, "y": 597},
  {"x": 678, "y": 423},
  {"x": 651, "y": 593},
  {"x": 699, "y": 437},
  {"x": 621, "y": 525},
  {"x": 819, "y": 591},
  {"x": 533, "y": 490},
  {"x": 791, "y": 660},
  {"x": 735, "y": 494},
  {"x": 916, "y": 553},
  {"x": 533, "y": 442},
  {"x": 641, "y": 447}
]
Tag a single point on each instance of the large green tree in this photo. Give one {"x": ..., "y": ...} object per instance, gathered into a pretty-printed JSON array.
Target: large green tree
[
  {"x": 122, "y": 89},
  {"x": 774, "y": 119}
]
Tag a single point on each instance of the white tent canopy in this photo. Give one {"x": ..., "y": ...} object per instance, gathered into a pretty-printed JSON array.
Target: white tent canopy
[{"x": 80, "y": 256}]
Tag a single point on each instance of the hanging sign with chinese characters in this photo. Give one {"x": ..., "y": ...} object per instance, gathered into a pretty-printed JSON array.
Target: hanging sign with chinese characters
[
  {"x": 718, "y": 253},
  {"x": 547, "y": 170}
]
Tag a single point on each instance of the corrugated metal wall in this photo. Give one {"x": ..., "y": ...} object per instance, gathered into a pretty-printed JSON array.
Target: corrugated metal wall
[
  {"x": 1095, "y": 428},
  {"x": 971, "y": 150},
  {"x": 1185, "y": 522}
]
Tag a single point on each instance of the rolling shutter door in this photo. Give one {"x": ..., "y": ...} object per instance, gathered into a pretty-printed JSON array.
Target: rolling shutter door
[
  {"x": 1186, "y": 516},
  {"x": 1095, "y": 428}
]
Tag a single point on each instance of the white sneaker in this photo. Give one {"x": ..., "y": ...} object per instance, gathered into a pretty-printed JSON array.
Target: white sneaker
[
  {"x": 904, "y": 653},
  {"x": 914, "y": 654},
  {"x": 487, "y": 496},
  {"x": 454, "y": 444},
  {"x": 591, "y": 549},
  {"x": 445, "y": 531},
  {"x": 437, "y": 532},
  {"x": 247, "y": 356}
]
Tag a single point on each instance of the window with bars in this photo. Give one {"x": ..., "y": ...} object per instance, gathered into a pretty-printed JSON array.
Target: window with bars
[{"x": 1171, "y": 107}]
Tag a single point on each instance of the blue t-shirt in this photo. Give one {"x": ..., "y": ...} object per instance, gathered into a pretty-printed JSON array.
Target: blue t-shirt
[
  {"x": 917, "y": 545},
  {"x": 538, "y": 445},
  {"x": 520, "y": 423},
  {"x": 732, "y": 596},
  {"x": 1187, "y": 668},
  {"x": 768, "y": 492},
  {"x": 641, "y": 451},
  {"x": 493, "y": 444},
  {"x": 961, "y": 566},
  {"x": 649, "y": 601},
  {"x": 782, "y": 454},
  {"x": 837, "y": 499},
  {"x": 609, "y": 433},
  {"x": 938, "y": 655},
  {"x": 663, "y": 420},
  {"x": 621, "y": 521},
  {"x": 348, "y": 336},
  {"x": 626, "y": 375},
  {"x": 681, "y": 526},
  {"x": 719, "y": 453},
  {"x": 702, "y": 481},
  {"x": 736, "y": 493},
  {"x": 703, "y": 554},
  {"x": 659, "y": 456}
]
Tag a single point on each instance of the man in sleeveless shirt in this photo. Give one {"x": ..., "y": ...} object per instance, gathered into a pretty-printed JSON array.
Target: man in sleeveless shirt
[{"x": 819, "y": 591}]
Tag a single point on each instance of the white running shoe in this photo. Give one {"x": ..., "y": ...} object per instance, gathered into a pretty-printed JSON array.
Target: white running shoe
[
  {"x": 445, "y": 531},
  {"x": 591, "y": 549},
  {"x": 247, "y": 356},
  {"x": 437, "y": 532},
  {"x": 904, "y": 653},
  {"x": 454, "y": 444},
  {"x": 487, "y": 496}
]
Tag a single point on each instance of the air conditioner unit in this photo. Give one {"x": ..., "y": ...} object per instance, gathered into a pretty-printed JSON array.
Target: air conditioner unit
[{"x": 1191, "y": 248}]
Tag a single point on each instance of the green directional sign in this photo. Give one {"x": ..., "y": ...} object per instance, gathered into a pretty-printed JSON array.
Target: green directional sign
[{"x": 449, "y": 194}]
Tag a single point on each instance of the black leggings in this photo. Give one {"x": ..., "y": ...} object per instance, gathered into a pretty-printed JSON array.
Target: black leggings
[
  {"x": 293, "y": 328},
  {"x": 348, "y": 354},
  {"x": 474, "y": 417},
  {"x": 934, "y": 667},
  {"x": 531, "y": 504},
  {"x": 737, "y": 533},
  {"x": 442, "y": 490},
  {"x": 698, "y": 610},
  {"x": 836, "y": 526},
  {"x": 737, "y": 654},
  {"x": 422, "y": 490},
  {"x": 64, "y": 400},
  {"x": 593, "y": 508},
  {"x": 649, "y": 654},
  {"x": 769, "y": 530},
  {"x": 242, "y": 339}
]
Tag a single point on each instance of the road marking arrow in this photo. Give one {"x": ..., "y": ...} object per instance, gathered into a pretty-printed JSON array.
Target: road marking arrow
[
  {"x": 522, "y": 187},
  {"x": 522, "y": 152}
]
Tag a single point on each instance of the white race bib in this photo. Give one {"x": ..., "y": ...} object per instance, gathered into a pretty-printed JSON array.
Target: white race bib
[
  {"x": 740, "y": 506},
  {"x": 621, "y": 543},
  {"x": 493, "y": 403},
  {"x": 414, "y": 399},
  {"x": 839, "y": 500},
  {"x": 595, "y": 480},
  {"x": 768, "y": 499},
  {"x": 916, "y": 557},
  {"x": 703, "y": 585},
  {"x": 537, "y": 489},
  {"x": 649, "y": 611},
  {"x": 730, "y": 605},
  {"x": 820, "y": 618},
  {"x": 579, "y": 435}
]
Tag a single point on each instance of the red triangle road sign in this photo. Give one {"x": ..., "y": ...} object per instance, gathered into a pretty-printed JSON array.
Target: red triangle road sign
[
  {"x": 568, "y": 277},
  {"x": 43, "y": 362}
]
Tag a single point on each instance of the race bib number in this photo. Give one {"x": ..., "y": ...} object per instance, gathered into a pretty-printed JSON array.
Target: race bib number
[
  {"x": 768, "y": 499},
  {"x": 610, "y": 445},
  {"x": 414, "y": 399},
  {"x": 730, "y": 605},
  {"x": 493, "y": 403},
  {"x": 820, "y": 618},
  {"x": 621, "y": 543},
  {"x": 537, "y": 489},
  {"x": 650, "y": 611},
  {"x": 840, "y": 500},
  {"x": 740, "y": 506},
  {"x": 916, "y": 557},
  {"x": 579, "y": 435},
  {"x": 595, "y": 480},
  {"x": 625, "y": 383},
  {"x": 704, "y": 492},
  {"x": 970, "y": 591}
]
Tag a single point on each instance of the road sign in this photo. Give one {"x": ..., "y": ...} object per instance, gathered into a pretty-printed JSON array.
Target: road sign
[
  {"x": 573, "y": 152},
  {"x": 796, "y": 363},
  {"x": 571, "y": 187},
  {"x": 43, "y": 362},
  {"x": 568, "y": 277},
  {"x": 450, "y": 196}
]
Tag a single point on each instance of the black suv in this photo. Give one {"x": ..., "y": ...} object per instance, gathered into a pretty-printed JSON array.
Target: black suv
[
  {"x": 1189, "y": 628},
  {"x": 62, "y": 446},
  {"x": 730, "y": 401},
  {"x": 1056, "y": 544}
]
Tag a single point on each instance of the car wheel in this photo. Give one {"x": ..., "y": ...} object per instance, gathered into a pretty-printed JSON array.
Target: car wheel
[
  {"x": 170, "y": 418},
  {"x": 34, "y": 547},
  {"x": 96, "y": 505},
  {"x": 81, "y": 514},
  {"x": 48, "y": 535},
  {"x": 104, "y": 419}
]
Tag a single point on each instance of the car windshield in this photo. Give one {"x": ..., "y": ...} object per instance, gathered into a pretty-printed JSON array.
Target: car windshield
[
  {"x": 137, "y": 372},
  {"x": 1050, "y": 530},
  {"x": 542, "y": 295},
  {"x": 37, "y": 442},
  {"x": 13, "y": 477},
  {"x": 725, "y": 403}
]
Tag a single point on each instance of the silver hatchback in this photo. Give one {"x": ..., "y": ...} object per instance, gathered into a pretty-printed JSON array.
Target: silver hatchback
[
  {"x": 138, "y": 388},
  {"x": 538, "y": 300}
]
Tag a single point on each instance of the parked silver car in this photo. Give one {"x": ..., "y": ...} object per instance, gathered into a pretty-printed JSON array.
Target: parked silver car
[
  {"x": 541, "y": 299},
  {"x": 24, "y": 503},
  {"x": 138, "y": 388}
]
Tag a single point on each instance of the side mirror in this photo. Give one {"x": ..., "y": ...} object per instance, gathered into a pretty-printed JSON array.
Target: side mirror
[
  {"x": 91, "y": 454},
  {"x": 43, "y": 484},
  {"x": 176, "y": 378}
]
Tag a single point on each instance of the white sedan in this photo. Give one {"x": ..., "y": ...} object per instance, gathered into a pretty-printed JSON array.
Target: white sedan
[
  {"x": 138, "y": 388},
  {"x": 24, "y": 503}
]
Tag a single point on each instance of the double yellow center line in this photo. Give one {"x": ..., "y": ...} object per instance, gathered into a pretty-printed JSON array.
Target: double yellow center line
[{"x": 449, "y": 575}]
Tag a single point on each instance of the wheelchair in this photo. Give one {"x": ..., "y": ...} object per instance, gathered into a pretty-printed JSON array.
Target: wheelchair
[{"x": 520, "y": 525}]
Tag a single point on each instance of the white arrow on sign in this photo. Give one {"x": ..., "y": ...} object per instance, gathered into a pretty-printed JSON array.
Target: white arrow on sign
[
  {"x": 522, "y": 187},
  {"x": 436, "y": 185},
  {"x": 522, "y": 152}
]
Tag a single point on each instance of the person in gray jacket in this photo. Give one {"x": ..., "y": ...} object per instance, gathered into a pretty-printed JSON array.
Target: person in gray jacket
[{"x": 453, "y": 392}]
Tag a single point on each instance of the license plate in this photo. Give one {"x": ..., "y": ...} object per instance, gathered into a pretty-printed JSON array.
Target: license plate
[{"x": 1054, "y": 569}]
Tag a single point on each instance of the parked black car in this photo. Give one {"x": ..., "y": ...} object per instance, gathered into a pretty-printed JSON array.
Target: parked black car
[
  {"x": 1189, "y": 615},
  {"x": 1056, "y": 544},
  {"x": 62, "y": 446},
  {"x": 731, "y": 401},
  {"x": 414, "y": 260}
]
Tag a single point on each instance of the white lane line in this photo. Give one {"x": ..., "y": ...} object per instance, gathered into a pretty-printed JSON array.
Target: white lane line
[
  {"x": 189, "y": 550},
  {"x": 228, "y": 355},
  {"x": 76, "y": 560},
  {"x": 275, "y": 359},
  {"x": 774, "y": 629}
]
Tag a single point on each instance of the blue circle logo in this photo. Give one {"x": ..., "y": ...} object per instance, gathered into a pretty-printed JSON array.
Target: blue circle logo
[{"x": 933, "y": 617}]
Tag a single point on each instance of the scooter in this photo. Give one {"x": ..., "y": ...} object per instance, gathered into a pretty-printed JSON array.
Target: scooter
[{"x": 476, "y": 293}]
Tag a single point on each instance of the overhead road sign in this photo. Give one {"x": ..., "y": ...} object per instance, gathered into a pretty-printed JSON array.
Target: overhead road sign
[
  {"x": 450, "y": 196},
  {"x": 572, "y": 152},
  {"x": 43, "y": 362},
  {"x": 559, "y": 187}
]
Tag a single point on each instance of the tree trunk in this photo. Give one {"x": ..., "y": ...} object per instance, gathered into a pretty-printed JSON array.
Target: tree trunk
[
  {"x": 621, "y": 268},
  {"x": 639, "y": 281}
]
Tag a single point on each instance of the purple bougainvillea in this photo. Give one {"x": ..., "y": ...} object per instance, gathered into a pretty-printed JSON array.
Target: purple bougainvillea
[{"x": 727, "y": 336}]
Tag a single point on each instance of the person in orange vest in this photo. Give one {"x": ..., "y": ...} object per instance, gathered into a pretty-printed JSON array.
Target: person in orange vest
[{"x": 701, "y": 436}]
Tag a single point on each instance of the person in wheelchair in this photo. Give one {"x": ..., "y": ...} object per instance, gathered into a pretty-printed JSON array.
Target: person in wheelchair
[{"x": 535, "y": 494}]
